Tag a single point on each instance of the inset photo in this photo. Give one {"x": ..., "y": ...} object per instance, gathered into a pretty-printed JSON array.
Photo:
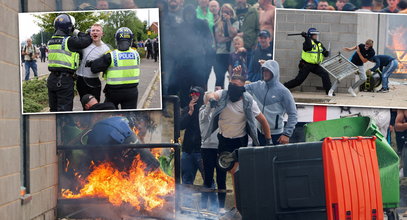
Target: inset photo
[
  {"x": 343, "y": 58},
  {"x": 90, "y": 61}
]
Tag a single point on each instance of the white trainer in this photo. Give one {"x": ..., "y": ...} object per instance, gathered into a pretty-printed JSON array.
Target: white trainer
[
  {"x": 352, "y": 92},
  {"x": 331, "y": 93}
]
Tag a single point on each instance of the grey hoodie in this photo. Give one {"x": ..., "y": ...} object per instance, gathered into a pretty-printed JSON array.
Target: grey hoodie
[{"x": 274, "y": 100}]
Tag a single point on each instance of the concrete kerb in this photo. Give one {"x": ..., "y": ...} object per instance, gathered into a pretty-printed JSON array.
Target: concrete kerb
[{"x": 146, "y": 94}]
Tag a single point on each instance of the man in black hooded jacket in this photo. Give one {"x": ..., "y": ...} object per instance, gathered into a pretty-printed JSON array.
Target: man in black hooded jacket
[{"x": 191, "y": 148}]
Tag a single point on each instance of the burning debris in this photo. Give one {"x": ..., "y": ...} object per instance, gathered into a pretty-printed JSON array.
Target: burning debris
[
  {"x": 143, "y": 189},
  {"x": 399, "y": 47}
]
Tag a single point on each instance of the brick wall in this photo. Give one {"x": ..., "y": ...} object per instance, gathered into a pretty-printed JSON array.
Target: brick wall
[
  {"x": 42, "y": 168},
  {"x": 338, "y": 29},
  {"x": 10, "y": 207}
]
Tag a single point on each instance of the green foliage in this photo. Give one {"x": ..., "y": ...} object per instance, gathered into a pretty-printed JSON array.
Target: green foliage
[
  {"x": 35, "y": 95},
  {"x": 117, "y": 19},
  {"x": 46, "y": 36},
  {"x": 153, "y": 35},
  {"x": 83, "y": 20},
  {"x": 167, "y": 164},
  {"x": 141, "y": 52}
]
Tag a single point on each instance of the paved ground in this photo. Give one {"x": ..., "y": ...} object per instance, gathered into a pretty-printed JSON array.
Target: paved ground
[
  {"x": 149, "y": 86},
  {"x": 393, "y": 99}
]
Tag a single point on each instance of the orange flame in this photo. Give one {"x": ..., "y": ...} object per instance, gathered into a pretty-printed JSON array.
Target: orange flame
[
  {"x": 136, "y": 131},
  {"x": 399, "y": 36},
  {"x": 156, "y": 152},
  {"x": 144, "y": 190}
]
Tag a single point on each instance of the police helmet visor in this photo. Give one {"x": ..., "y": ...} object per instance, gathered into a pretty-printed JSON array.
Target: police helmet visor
[
  {"x": 72, "y": 20},
  {"x": 123, "y": 45}
]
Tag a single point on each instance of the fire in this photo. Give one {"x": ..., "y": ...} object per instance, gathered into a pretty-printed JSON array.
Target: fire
[
  {"x": 156, "y": 152},
  {"x": 144, "y": 190},
  {"x": 136, "y": 131},
  {"x": 399, "y": 36}
]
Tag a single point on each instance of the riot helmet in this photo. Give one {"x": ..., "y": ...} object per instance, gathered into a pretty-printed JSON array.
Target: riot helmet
[
  {"x": 65, "y": 23},
  {"x": 124, "y": 37},
  {"x": 312, "y": 31}
]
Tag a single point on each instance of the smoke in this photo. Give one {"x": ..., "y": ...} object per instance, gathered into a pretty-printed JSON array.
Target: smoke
[
  {"x": 186, "y": 44},
  {"x": 189, "y": 198}
]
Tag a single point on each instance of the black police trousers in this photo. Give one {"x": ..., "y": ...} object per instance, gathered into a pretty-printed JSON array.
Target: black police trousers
[
  {"x": 305, "y": 69},
  {"x": 60, "y": 91},
  {"x": 91, "y": 86},
  {"x": 125, "y": 97}
]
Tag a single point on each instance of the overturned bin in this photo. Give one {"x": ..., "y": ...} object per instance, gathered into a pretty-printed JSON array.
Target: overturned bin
[{"x": 364, "y": 126}]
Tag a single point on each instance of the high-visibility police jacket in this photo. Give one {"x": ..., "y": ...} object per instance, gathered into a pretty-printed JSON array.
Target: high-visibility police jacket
[
  {"x": 60, "y": 58},
  {"x": 315, "y": 55},
  {"x": 124, "y": 68}
]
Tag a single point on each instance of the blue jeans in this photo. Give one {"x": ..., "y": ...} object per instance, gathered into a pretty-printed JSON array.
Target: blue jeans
[
  {"x": 33, "y": 66},
  {"x": 387, "y": 71},
  {"x": 190, "y": 163}
]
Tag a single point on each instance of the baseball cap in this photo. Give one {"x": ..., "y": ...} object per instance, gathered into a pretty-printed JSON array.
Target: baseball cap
[
  {"x": 86, "y": 98},
  {"x": 264, "y": 33},
  {"x": 366, "y": 3}
]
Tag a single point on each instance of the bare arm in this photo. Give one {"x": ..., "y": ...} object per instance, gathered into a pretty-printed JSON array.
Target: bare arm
[
  {"x": 400, "y": 124},
  {"x": 264, "y": 125},
  {"x": 350, "y": 48}
]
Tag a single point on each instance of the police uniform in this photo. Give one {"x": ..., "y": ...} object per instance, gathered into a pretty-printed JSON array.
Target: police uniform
[
  {"x": 313, "y": 54},
  {"x": 63, "y": 60},
  {"x": 121, "y": 72}
]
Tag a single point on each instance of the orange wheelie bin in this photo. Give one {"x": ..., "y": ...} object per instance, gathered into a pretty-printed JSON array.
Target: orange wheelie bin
[{"x": 352, "y": 179}]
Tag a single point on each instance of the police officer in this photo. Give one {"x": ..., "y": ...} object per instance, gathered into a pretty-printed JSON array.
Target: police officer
[
  {"x": 116, "y": 131},
  {"x": 313, "y": 53},
  {"x": 63, "y": 60},
  {"x": 121, "y": 67}
]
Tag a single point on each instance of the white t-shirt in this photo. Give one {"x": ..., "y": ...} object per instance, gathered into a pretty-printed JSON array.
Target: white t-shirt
[
  {"x": 232, "y": 120},
  {"x": 92, "y": 52}
]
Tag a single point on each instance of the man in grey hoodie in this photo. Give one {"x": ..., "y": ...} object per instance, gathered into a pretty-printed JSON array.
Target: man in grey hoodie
[{"x": 274, "y": 100}]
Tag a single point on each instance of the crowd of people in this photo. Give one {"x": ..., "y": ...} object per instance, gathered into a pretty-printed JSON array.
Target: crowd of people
[
  {"x": 393, "y": 6},
  {"x": 106, "y": 5},
  {"x": 213, "y": 36},
  {"x": 227, "y": 119}
]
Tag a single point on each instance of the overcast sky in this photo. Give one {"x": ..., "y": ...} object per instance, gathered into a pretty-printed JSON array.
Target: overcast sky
[{"x": 27, "y": 27}]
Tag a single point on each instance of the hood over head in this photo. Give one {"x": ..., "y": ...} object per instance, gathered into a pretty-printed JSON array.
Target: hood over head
[
  {"x": 202, "y": 93},
  {"x": 274, "y": 68}
]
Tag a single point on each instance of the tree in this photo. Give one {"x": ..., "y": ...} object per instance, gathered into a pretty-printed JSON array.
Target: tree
[
  {"x": 83, "y": 20},
  {"x": 117, "y": 19},
  {"x": 36, "y": 38}
]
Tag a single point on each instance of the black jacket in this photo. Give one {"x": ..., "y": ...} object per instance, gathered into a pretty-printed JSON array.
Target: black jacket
[
  {"x": 103, "y": 106},
  {"x": 190, "y": 123},
  {"x": 192, "y": 136}
]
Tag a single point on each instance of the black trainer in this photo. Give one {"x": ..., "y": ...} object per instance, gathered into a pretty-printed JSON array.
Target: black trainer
[{"x": 383, "y": 90}]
